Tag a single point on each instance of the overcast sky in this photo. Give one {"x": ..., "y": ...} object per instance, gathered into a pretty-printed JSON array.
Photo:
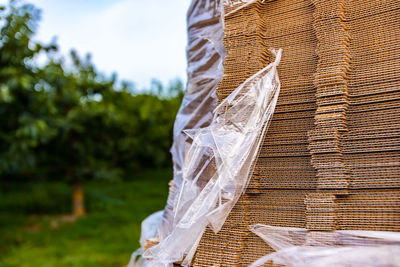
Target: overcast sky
[{"x": 138, "y": 39}]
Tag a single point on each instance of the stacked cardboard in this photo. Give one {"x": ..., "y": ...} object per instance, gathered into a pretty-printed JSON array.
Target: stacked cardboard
[
  {"x": 331, "y": 157},
  {"x": 371, "y": 144}
]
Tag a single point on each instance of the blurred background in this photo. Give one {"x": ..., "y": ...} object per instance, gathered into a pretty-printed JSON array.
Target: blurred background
[{"x": 89, "y": 91}]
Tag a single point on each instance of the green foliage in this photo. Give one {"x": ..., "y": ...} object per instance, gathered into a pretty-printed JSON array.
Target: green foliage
[{"x": 71, "y": 122}]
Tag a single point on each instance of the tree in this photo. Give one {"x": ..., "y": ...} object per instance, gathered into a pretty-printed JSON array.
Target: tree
[
  {"x": 24, "y": 108},
  {"x": 70, "y": 122}
]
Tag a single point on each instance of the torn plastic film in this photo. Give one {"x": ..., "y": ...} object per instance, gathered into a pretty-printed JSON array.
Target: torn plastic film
[{"x": 299, "y": 247}]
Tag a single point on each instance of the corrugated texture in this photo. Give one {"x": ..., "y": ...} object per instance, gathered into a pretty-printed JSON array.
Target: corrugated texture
[
  {"x": 249, "y": 34},
  {"x": 331, "y": 157}
]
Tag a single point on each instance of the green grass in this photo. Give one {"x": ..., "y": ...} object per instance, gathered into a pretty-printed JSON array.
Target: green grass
[{"x": 33, "y": 234}]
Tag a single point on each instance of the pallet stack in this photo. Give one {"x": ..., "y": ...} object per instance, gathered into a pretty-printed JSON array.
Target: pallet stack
[{"x": 331, "y": 157}]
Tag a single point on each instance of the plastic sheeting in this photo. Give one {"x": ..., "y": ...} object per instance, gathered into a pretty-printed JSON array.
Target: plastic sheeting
[
  {"x": 300, "y": 248},
  {"x": 205, "y": 53},
  {"x": 150, "y": 228},
  {"x": 227, "y": 149},
  {"x": 235, "y": 5}
]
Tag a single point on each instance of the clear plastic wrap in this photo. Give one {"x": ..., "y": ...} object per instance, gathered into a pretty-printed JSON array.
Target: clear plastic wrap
[
  {"x": 300, "y": 248},
  {"x": 149, "y": 233},
  {"x": 225, "y": 151},
  {"x": 232, "y": 6},
  {"x": 205, "y": 53},
  {"x": 150, "y": 228},
  {"x": 234, "y": 3}
]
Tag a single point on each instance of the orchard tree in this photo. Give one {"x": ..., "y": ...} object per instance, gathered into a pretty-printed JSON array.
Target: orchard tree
[
  {"x": 24, "y": 106},
  {"x": 68, "y": 121}
]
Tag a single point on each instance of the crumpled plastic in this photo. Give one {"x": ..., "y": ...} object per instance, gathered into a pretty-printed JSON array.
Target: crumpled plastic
[
  {"x": 235, "y": 5},
  {"x": 205, "y": 54},
  {"x": 227, "y": 149},
  {"x": 150, "y": 231},
  {"x": 300, "y": 248}
]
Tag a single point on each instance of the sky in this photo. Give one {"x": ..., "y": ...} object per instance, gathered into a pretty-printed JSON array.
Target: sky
[{"x": 138, "y": 39}]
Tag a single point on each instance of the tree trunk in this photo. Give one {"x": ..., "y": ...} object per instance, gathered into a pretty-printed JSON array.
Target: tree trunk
[{"x": 78, "y": 206}]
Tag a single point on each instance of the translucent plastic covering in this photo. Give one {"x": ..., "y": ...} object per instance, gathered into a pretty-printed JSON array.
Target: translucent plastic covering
[
  {"x": 205, "y": 53},
  {"x": 231, "y": 3},
  {"x": 149, "y": 233},
  {"x": 232, "y": 6},
  {"x": 226, "y": 150},
  {"x": 298, "y": 247}
]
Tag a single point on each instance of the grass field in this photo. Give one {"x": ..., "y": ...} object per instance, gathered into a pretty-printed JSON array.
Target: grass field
[{"x": 34, "y": 231}]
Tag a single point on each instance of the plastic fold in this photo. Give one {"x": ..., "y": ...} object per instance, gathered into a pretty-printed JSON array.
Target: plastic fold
[
  {"x": 301, "y": 248},
  {"x": 205, "y": 54},
  {"x": 149, "y": 234}
]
